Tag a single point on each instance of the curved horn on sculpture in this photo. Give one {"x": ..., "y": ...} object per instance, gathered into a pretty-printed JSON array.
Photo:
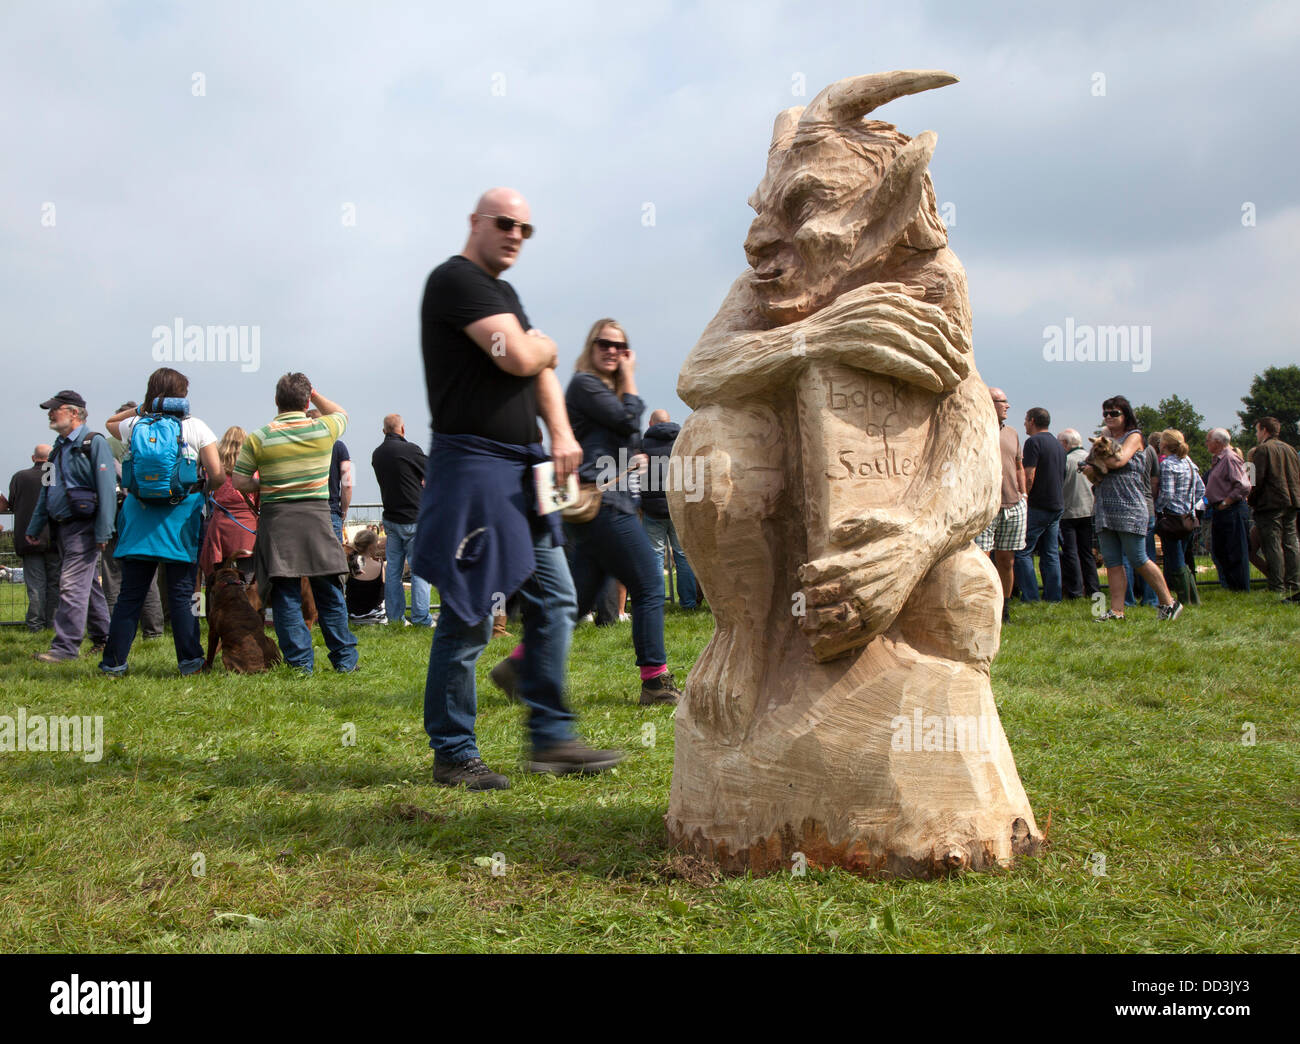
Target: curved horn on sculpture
[{"x": 853, "y": 98}]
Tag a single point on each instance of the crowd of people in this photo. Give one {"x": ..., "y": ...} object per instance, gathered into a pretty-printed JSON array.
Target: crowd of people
[
  {"x": 102, "y": 518},
  {"x": 1067, "y": 505}
]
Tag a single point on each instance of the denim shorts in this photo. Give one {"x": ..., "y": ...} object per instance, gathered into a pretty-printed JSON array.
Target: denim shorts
[{"x": 1116, "y": 546}]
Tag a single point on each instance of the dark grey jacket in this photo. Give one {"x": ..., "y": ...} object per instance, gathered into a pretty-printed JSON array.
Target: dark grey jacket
[{"x": 609, "y": 430}]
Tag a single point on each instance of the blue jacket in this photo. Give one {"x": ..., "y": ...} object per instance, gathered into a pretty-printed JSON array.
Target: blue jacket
[
  {"x": 609, "y": 431},
  {"x": 474, "y": 538},
  {"x": 166, "y": 532},
  {"x": 99, "y": 471}
]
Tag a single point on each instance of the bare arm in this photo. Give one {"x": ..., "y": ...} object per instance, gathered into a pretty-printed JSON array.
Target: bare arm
[
  {"x": 326, "y": 406},
  {"x": 1028, "y": 473},
  {"x": 510, "y": 347},
  {"x": 1022, "y": 482},
  {"x": 211, "y": 461},
  {"x": 345, "y": 487},
  {"x": 565, "y": 450},
  {"x": 114, "y": 423},
  {"x": 1132, "y": 445},
  {"x": 244, "y": 483}
]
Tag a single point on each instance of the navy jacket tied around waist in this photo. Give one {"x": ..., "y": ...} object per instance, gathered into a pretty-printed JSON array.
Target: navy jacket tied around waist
[{"x": 478, "y": 514}]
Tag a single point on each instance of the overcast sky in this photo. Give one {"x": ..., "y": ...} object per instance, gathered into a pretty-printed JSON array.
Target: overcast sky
[{"x": 300, "y": 168}]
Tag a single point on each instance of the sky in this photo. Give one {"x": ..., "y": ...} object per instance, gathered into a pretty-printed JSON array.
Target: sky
[{"x": 298, "y": 169}]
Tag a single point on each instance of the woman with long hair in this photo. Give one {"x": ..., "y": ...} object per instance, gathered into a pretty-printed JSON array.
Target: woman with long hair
[
  {"x": 232, "y": 529},
  {"x": 1120, "y": 512},
  {"x": 160, "y": 527},
  {"x": 1180, "y": 491},
  {"x": 365, "y": 587},
  {"x": 605, "y": 411}
]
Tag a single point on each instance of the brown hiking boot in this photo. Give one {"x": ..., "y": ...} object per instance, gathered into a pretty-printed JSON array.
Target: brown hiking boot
[
  {"x": 471, "y": 774},
  {"x": 661, "y": 689}
]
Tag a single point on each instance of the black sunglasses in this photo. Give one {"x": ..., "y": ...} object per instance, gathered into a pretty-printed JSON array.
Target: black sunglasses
[
  {"x": 601, "y": 342},
  {"x": 1112, "y": 413},
  {"x": 507, "y": 224}
]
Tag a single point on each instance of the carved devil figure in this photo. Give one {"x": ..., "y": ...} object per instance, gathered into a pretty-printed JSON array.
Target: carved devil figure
[{"x": 842, "y": 712}]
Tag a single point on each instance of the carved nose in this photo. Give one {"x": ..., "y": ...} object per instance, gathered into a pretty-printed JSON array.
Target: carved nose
[{"x": 762, "y": 240}]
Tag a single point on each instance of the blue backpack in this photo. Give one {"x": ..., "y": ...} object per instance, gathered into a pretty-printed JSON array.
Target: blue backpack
[{"x": 155, "y": 468}]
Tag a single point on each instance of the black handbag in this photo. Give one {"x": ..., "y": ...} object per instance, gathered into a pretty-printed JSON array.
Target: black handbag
[{"x": 1173, "y": 526}]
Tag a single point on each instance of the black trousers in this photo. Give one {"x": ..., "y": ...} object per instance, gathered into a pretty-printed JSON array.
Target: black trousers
[{"x": 1078, "y": 567}]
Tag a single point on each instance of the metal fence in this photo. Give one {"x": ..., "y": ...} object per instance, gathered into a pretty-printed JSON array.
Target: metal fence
[{"x": 13, "y": 592}]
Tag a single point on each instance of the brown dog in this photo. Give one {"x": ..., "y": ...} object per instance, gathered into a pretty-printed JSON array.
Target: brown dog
[
  {"x": 236, "y": 627},
  {"x": 1103, "y": 448},
  {"x": 309, "y": 614}
]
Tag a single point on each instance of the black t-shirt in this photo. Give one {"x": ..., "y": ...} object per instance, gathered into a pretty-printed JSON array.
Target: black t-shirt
[
  {"x": 468, "y": 393},
  {"x": 337, "y": 456},
  {"x": 1044, "y": 454},
  {"x": 24, "y": 492},
  {"x": 399, "y": 467}
]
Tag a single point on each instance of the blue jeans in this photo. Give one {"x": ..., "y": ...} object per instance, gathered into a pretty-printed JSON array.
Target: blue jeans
[
  {"x": 1047, "y": 525},
  {"x": 614, "y": 543},
  {"x": 661, "y": 532},
  {"x": 401, "y": 545},
  {"x": 450, "y": 699},
  {"x": 1117, "y": 547},
  {"x": 1230, "y": 546},
  {"x": 1173, "y": 563},
  {"x": 1137, "y": 587},
  {"x": 137, "y": 582},
  {"x": 332, "y": 613}
]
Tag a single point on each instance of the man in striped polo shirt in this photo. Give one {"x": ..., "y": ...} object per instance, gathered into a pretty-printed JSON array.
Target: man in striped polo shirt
[{"x": 288, "y": 463}]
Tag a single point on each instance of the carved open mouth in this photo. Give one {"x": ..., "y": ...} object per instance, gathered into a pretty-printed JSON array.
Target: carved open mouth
[{"x": 768, "y": 275}]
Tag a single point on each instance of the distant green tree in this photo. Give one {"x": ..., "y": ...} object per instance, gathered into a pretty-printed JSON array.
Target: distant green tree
[
  {"x": 1177, "y": 412},
  {"x": 1273, "y": 393}
]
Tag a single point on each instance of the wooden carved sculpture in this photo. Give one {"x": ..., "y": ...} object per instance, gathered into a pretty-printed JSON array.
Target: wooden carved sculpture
[{"x": 847, "y": 456}]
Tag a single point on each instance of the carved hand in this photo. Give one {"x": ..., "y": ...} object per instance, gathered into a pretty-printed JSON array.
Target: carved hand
[
  {"x": 854, "y": 596},
  {"x": 880, "y": 328},
  {"x": 884, "y": 328}
]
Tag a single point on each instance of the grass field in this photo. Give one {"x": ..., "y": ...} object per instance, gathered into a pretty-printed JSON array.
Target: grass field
[{"x": 228, "y": 815}]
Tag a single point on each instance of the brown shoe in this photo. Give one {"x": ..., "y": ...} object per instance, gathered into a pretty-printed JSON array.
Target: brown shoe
[
  {"x": 573, "y": 756},
  {"x": 471, "y": 774},
  {"x": 49, "y": 657},
  {"x": 660, "y": 689}
]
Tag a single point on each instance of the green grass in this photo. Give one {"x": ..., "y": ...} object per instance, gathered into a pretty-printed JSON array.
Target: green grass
[{"x": 1128, "y": 735}]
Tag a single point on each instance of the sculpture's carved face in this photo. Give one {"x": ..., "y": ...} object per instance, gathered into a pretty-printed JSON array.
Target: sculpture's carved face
[{"x": 808, "y": 217}]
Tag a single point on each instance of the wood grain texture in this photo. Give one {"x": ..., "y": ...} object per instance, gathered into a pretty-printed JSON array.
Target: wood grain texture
[{"x": 846, "y": 456}]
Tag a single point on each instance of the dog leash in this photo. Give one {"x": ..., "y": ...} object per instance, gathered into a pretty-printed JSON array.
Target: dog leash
[{"x": 233, "y": 519}]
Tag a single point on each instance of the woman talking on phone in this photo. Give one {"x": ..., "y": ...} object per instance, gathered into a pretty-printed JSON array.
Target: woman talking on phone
[{"x": 605, "y": 411}]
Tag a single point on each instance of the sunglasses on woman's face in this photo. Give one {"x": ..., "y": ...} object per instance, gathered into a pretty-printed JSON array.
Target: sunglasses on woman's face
[
  {"x": 610, "y": 346},
  {"x": 507, "y": 224},
  {"x": 1112, "y": 413}
]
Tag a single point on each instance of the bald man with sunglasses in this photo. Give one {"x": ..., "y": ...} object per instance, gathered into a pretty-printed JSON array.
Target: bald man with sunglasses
[{"x": 479, "y": 539}]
